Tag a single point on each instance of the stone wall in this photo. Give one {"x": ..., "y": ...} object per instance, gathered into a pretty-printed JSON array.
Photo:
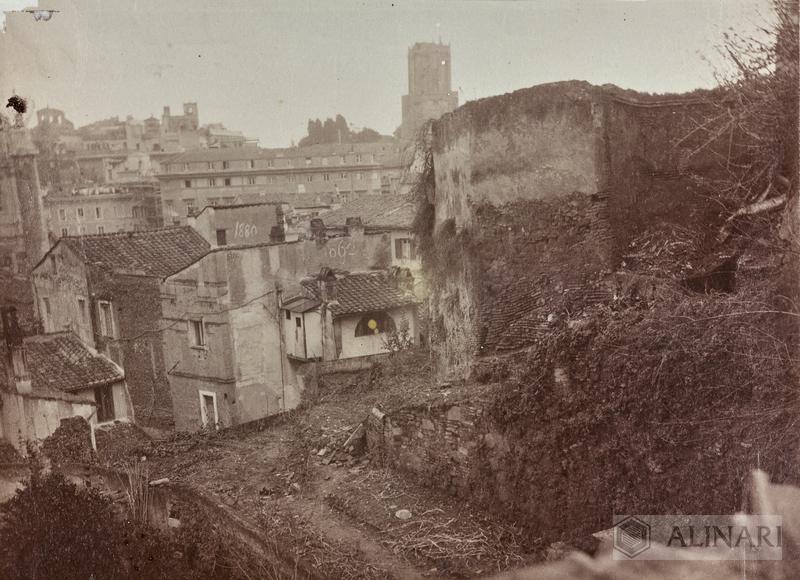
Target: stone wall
[{"x": 538, "y": 195}]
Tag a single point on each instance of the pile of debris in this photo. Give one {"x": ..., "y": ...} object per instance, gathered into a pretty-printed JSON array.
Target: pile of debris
[
  {"x": 666, "y": 250},
  {"x": 70, "y": 443}
]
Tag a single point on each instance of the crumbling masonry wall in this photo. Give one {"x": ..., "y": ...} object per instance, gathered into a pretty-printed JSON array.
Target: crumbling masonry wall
[{"x": 538, "y": 194}]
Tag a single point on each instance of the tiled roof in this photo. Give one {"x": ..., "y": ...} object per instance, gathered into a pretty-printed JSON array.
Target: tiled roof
[
  {"x": 152, "y": 252},
  {"x": 385, "y": 146},
  {"x": 389, "y": 211},
  {"x": 363, "y": 292},
  {"x": 62, "y": 362}
]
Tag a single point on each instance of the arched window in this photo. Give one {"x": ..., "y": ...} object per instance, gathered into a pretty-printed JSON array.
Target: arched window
[{"x": 375, "y": 323}]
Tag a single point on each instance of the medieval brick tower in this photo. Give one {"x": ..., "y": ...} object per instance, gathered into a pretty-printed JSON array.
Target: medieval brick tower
[{"x": 429, "y": 93}]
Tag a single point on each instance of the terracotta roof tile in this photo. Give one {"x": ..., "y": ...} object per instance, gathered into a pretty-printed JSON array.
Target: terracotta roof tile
[
  {"x": 160, "y": 252},
  {"x": 363, "y": 292},
  {"x": 390, "y": 211},
  {"x": 62, "y": 362}
]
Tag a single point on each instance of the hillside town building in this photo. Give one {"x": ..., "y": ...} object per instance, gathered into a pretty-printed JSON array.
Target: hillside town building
[
  {"x": 103, "y": 209},
  {"x": 106, "y": 289},
  {"x": 48, "y": 377},
  {"x": 331, "y": 173}
]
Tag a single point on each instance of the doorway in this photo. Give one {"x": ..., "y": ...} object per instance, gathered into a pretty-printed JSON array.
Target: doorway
[{"x": 209, "y": 415}]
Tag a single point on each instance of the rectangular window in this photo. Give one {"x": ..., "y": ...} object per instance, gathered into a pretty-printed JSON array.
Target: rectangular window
[
  {"x": 97, "y": 213},
  {"x": 212, "y": 201},
  {"x": 211, "y": 165},
  {"x": 101, "y": 230},
  {"x": 402, "y": 248},
  {"x": 251, "y": 180},
  {"x": 298, "y": 322},
  {"x": 308, "y": 160},
  {"x": 54, "y": 265},
  {"x": 212, "y": 182},
  {"x": 46, "y": 306},
  {"x": 187, "y": 183},
  {"x": 288, "y": 315},
  {"x": 227, "y": 181},
  {"x": 222, "y": 237},
  {"x": 225, "y": 165},
  {"x": 198, "y": 333},
  {"x": 310, "y": 178},
  {"x": 358, "y": 158},
  {"x": 80, "y": 212},
  {"x": 106, "y": 315},
  {"x": 342, "y": 175},
  {"x": 82, "y": 309},
  {"x": 62, "y": 214},
  {"x": 270, "y": 163},
  {"x": 104, "y": 397},
  {"x": 64, "y": 232},
  {"x": 326, "y": 177},
  {"x": 251, "y": 164}
]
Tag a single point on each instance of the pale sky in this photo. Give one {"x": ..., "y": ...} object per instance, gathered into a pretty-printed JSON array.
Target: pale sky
[{"x": 265, "y": 66}]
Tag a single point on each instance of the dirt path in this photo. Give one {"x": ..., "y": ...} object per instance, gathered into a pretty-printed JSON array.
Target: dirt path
[{"x": 252, "y": 476}]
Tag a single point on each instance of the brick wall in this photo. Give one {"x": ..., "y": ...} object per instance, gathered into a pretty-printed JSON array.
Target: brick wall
[{"x": 136, "y": 302}]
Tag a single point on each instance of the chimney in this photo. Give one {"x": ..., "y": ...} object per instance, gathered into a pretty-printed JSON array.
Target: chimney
[
  {"x": 326, "y": 282},
  {"x": 354, "y": 226},
  {"x": 401, "y": 279},
  {"x": 317, "y": 229}
]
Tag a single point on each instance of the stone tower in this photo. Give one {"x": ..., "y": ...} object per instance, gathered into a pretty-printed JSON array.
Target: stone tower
[
  {"x": 429, "y": 92},
  {"x": 23, "y": 238}
]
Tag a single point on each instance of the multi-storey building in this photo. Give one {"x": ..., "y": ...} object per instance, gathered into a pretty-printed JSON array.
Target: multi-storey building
[
  {"x": 115, "y": 150},
  {"x": 106, "y": 289},
  {"x": 103, "y": 210},
  {"x": 332, "y": 172},
  {"x": 429, "y": 93}
]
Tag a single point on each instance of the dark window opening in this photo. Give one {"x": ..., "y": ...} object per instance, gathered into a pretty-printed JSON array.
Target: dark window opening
[
  {"x": 376, "y": 323},
  {"x": 198, "y": 333},
  {"x": 298, "y": 322},
  {"x": 288, "y": 315},
  {"x": 104, "y": 398},
  {"x": 222, "y": 237}
]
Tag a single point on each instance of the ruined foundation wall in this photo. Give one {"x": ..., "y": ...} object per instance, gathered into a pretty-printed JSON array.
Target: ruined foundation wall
[{"x": 538, "y": 195}]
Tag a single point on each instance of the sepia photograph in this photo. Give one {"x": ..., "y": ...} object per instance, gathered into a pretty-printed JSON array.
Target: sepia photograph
[{"x": 399, "y": 289}]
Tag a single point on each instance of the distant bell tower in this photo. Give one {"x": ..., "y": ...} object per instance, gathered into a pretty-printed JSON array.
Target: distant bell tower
[{"x": 429, "y": 93}]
